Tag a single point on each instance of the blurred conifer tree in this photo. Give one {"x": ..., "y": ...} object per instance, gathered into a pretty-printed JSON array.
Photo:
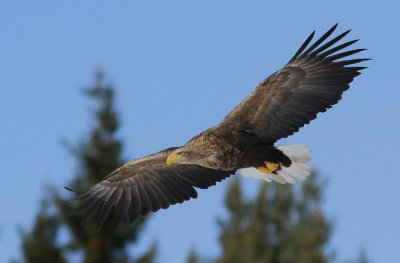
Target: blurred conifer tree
[
  {"x": 282, "y": 224},
  {"x": 41, "y": 243},
  {"x": 98, "y": 155}
]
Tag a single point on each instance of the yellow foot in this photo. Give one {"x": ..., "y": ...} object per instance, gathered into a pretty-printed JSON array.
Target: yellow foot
[
  {"x": 268, "y": 168},
  {"x": 264, "y": 169},
  {"x": 272, "y": 166}
]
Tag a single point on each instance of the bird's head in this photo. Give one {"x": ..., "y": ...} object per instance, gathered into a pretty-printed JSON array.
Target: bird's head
[{"x": 184, "y": 155}]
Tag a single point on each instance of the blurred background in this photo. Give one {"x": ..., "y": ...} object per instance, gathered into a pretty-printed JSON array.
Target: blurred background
[{"x": 162, "y": 72}]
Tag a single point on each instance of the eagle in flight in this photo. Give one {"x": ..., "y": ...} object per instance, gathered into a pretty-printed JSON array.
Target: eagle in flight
[{"x": 311, "y": 82}]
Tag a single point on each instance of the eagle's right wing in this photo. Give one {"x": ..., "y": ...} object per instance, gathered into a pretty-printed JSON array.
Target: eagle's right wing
[{"x": 147, "y": 184}]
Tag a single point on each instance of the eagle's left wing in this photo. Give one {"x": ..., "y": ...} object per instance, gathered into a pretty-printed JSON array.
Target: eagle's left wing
[{"x": 310, "y": 83}]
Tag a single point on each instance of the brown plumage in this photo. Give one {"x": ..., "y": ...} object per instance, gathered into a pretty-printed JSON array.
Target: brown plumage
[{"x": 311, "y": 82}]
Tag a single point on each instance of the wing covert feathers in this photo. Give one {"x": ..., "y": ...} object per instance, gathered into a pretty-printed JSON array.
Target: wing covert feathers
[
  {"x": 312, "y": 81},
  {"x": 146, "y": 185}
]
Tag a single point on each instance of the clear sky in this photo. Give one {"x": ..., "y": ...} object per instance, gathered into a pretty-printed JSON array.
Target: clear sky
[{"x": 179, "y": 67}]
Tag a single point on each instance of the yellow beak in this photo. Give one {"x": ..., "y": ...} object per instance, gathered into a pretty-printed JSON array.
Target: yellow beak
[{"x": 172, "y": 158}]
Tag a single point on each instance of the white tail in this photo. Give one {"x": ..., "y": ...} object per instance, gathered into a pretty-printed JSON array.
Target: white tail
[{"x": 298, "y": 170}]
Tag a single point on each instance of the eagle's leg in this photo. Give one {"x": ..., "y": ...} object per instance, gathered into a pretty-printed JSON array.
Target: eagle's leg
[
  {"x": 269, "y": 167},
  {"x": 272, "y": 166}
]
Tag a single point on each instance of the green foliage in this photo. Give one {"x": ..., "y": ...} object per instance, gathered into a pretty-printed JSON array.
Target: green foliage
[
  {"x": 193, "y": 257},
  {"x": 98, "y": 155},
  {"x": 149, "y": 256},
  {"x": 362, "y": 257},
  {"x": 283, "y": 223},
  {"x": 41, "y": 243}
]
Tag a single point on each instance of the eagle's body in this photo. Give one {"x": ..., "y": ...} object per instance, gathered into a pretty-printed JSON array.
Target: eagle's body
[
  {"x": 229, "y": 154},
  {"x": 311, "y": 82}
]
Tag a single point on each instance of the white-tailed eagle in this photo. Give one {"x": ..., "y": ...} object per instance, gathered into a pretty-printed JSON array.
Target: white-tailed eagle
[{"x": 311, "y": 82}]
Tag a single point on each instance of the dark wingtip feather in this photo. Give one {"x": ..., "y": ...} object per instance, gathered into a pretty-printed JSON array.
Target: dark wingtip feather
[
  {"x": 345, "y": 54},
  {"x": 356, "y": 68},
  {"x": 105, "y": 210},
  {"x": 348, "y": 62},
  {"x": 320, "y": 40},
  {"x": 80, "y": 196},
  {"x": 73, "y": 212},
  {"x": 330, "y": 43},
  {"x": 337, "y": 48},
  {"x": 82, "y": 205},
  {"x": 119, "y": 215},
  {"x": 69, "y": 189},
  {"x": 90, "y": 211},
  {"x": 303, "y": 46}
]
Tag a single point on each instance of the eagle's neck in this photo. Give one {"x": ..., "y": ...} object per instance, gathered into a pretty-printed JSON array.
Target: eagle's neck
[{"x": 209, "y": 148}]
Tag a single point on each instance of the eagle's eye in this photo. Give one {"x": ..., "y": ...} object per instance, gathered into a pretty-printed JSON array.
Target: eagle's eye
[{"x": 182, "y": 154}]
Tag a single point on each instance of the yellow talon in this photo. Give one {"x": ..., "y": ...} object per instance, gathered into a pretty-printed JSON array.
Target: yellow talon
[
  {"x": 264, "y": 169},
  {"x": 268, "y": 168},
  {"x": 272, "y": 166}
]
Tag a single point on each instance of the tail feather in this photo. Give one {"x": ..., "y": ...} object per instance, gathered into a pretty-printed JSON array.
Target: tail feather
[{"x": 298, "y": 170}]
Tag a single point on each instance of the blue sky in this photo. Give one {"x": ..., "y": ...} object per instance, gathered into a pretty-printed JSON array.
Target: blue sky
[{"x": 179, "y": 67}]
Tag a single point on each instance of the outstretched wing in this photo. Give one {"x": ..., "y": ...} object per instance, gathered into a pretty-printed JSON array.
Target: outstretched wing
[
  {"x": 311, "y": 82},
  {"x": 147, "y": 184}
]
